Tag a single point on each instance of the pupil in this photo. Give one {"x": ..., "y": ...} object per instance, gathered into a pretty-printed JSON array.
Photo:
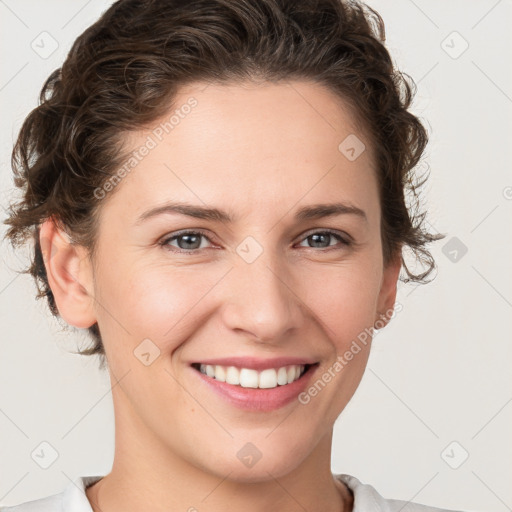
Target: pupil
[
  {"x": 317, "y": 238},
  {"x": 187, "y": 241}
]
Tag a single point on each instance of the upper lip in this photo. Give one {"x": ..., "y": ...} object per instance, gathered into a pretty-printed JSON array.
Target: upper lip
[{"x": 255, "y": 363}]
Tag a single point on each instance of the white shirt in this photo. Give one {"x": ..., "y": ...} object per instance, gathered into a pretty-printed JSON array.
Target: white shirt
[{"x": 74, "y": 499}]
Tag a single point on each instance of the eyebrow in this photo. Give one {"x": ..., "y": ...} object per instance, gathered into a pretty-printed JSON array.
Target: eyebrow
[{"x": 311, "y": 212}]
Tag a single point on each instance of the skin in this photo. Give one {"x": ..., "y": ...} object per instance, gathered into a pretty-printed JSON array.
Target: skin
[{"x": 260, "y": 151}]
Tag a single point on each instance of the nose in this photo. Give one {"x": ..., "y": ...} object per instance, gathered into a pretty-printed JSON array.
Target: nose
[{"x": 263, "y": 302}]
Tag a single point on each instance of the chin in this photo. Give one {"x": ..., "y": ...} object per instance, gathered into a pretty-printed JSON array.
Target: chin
[
  {"x": 260, "y": 472},
  {"x": 258, "y": 461}
]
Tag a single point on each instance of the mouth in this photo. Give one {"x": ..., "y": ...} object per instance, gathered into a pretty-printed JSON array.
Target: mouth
[
  {"x": 268, "y": 378},
  {"x": 265, "y": 387}
]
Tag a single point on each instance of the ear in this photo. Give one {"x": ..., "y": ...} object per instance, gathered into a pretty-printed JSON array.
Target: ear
[
  {"x": 70, "y": 276},
  {"x": 388, "y": 289}
]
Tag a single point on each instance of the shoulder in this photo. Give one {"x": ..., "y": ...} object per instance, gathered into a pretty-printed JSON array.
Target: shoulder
[
  {"x": 49, "y": 504},
  {"x": 367, "y": 498},
  {"x": 71, "y": 499}
]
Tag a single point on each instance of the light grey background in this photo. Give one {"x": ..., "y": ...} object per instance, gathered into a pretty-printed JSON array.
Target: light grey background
[{"x": 438, "y": 374}]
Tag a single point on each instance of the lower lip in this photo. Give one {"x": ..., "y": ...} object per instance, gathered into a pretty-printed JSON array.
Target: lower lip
[{"x": 256, "y": 399}]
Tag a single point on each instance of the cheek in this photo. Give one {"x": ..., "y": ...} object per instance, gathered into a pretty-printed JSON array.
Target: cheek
[
  {"x": 343, "y": 299},
  {"x": 156, "y": 302}
]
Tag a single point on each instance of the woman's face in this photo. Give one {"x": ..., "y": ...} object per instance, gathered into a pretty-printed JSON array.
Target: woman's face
[{"x": 268, "y": 289}]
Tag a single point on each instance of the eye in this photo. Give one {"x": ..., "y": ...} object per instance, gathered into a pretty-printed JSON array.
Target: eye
[
  {"x": 190, "y": 242},
  {"x": 320, "y": 238},
  {"x": 187, "y": 241}
]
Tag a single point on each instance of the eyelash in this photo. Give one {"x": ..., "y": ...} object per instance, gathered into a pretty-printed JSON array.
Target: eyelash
[{"x": 165, "y": 242}]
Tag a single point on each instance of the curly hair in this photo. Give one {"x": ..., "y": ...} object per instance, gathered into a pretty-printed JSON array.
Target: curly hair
[{"x": 122, "y": 72}]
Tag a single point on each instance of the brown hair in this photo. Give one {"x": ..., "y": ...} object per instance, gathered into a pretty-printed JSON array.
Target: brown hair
[{"x": 122, "y": 72}]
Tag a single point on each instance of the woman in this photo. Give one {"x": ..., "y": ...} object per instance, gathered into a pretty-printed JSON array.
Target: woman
[{"x": 216, "y": 191}]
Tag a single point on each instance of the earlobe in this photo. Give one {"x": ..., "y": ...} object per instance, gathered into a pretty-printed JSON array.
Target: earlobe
[
  {"x": 69, "y": 273},
  {"x": 388, "y": 290}
]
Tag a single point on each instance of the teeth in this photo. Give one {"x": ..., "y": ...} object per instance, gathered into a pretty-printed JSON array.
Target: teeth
[
  {"x": 248, "y": 378},
  {"x": 219, "y": 373},
  {"x": 232, "y": 375},
  {"x": 268, "y": 379},
  {"x": 282, "y": 376},
  {"x": 291, "y": 374}
]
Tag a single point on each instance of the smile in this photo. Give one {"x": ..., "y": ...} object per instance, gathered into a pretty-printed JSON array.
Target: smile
[{"x": 250, "y": 378}]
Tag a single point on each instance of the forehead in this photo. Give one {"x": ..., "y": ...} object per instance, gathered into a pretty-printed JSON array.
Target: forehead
[
  {"x": 263, "y": 117},
  {"x": 260, "y": 142}
]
